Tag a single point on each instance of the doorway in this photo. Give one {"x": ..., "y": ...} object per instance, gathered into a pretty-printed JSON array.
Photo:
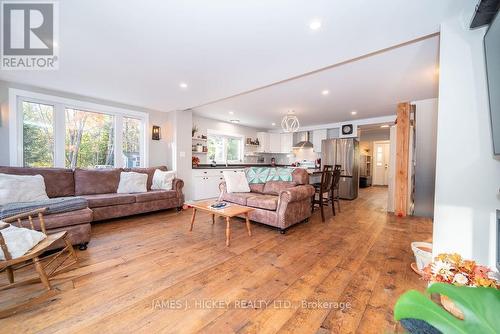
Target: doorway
[{"x": 381, "y": 150}]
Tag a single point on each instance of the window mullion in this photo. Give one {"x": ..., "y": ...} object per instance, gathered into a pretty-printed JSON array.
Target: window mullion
[
  {"x": 118, "y": 149},
  {"x": 59, "y": 135}
]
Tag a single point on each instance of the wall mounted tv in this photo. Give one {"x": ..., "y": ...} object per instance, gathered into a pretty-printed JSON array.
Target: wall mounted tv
[{"x": 492, "y": 52}]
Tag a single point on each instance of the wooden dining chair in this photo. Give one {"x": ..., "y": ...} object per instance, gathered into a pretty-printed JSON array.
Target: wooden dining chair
[
  {"x": 335, "y": 193},
  {"x": 45, "y": 266},
  {"x": 323, "y": 191}
]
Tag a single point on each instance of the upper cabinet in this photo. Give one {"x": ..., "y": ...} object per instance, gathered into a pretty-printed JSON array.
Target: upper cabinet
[
  {"x": 274, "y": 143},
  {"x": 286, "y": 142},
  {"x": 263, "y": 138},
  {"x": 318, "y": 136}
]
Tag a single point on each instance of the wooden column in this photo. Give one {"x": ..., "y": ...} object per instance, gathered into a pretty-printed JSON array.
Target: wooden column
[{"x": 402, "y": 152}]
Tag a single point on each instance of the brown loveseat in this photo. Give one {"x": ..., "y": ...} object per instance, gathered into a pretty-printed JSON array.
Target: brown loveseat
[
  {"x": 277, "y": 203},
  {"x": 98, "y": 187}
]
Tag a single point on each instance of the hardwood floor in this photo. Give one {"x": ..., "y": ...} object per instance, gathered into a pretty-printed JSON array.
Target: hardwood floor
[{"x": 141, "y": 273}]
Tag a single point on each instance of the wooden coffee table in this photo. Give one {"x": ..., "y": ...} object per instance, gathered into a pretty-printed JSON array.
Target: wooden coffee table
[{"x": 229, "y": 212}]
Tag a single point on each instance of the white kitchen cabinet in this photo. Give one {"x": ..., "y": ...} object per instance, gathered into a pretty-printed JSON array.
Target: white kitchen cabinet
[
  {"x": 318, "y": 136},
  {"x": 263, "y": 138},
  {"x": 206, "y": 182},
  {"x": 274, "y": 143},
  {"x": 286, "y": 142}
]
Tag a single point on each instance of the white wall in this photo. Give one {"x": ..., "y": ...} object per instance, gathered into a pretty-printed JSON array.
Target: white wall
[
  {"x": 180, "y": 140},
  {"x": 159, "y": 151},
  {"x": 467, "y": 175}
]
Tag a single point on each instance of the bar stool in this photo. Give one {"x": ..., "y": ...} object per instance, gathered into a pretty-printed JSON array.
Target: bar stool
[{"x": 324, "y": 190}]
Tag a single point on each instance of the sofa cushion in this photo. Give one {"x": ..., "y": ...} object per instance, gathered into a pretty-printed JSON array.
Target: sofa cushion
[
  {"x": 132, "y": 183},
  {"x": 59, "y": 182},
  {"x": 280, "y": 174},
  {"x": 163, "y": 180},
  {"x": 275, "y": 187},
  {"x": 236, "y": 182},
  {"x": 300, "y": 176},
  {"x": 150, "y": 171},
  {"x": 238, "y": 198},
  {"x": 53, "y": 205},
  {"x": 63, "y": 219},
  {"x": 21, "y": 188},
  {"x": 266, "y": 202},
  {"x": 155, "y": 195},
  {"x": 100, "y": 200},
  {"x": 257, "y": 187},
  {"x": 96, "y": 181}
]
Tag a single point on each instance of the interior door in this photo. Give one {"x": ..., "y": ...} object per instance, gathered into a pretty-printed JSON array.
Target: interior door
[{"x": 381, "y": 158}]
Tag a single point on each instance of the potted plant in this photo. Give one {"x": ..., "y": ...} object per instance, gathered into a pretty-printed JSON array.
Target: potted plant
[
  {"x": 194, "y": 130},
  {"x": 453, "y": 269},
  {"x": 466, "y": 290},
  {"x": 479, "y": 306}
]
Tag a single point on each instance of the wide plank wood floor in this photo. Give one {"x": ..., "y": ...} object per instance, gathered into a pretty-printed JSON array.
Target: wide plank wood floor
[{"x": 148, "y": 274}]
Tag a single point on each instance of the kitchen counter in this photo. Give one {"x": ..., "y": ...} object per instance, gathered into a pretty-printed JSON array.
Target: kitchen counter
[{"x": 236, "y": 166}]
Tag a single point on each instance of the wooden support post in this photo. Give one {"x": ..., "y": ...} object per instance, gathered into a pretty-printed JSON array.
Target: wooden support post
[{"x": 402, "y": 151}]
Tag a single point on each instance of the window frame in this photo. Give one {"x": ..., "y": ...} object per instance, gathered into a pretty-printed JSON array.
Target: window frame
[
  {"x": 226, "y": 135},
  {"x": 60, "y": 104}
]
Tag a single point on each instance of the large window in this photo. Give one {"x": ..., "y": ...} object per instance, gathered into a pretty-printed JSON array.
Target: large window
[
  {"x": 38, "y": 134},
  {"x": 131, "y": 142},
  {"x": 222, "y": 148},
  {"x": 50, "y": 131},
  {"x": 89, "y": 139}
]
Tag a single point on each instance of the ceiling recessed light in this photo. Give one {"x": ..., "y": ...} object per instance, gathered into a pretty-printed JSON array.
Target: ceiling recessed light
[
  {"x": 354, "y": 112},
  {"x": 325, "y": 92},
  {"x": 273, "y": 124},
  {"x": 235, "y": 121},
  {"x": 183, "y": 85},
  {"x": 384, "y": 126},
  {"x": 231, "y": 113},
  {"x": 315, "y": 24}
]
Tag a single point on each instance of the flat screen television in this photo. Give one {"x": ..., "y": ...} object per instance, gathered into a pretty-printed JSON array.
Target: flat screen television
[{"x": 492, "y": 53}]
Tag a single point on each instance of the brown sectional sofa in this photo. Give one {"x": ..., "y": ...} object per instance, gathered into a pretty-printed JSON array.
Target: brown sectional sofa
[
  {"x": 277, "y": 203},
  {"x": 98, "y": 187}
]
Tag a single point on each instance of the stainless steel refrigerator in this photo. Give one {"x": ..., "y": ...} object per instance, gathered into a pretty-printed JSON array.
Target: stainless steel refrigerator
[{"x": 344, "y": 152}]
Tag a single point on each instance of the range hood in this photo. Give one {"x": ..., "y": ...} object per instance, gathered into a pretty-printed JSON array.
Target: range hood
[{"x": 302, "y": 140}]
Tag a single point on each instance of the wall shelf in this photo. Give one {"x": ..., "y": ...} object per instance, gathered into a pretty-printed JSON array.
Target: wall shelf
[{"x": 199, "y": 139}]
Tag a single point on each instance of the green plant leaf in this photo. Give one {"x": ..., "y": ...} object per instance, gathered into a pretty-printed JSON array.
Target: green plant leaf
[{"x": 480, "y": 307}]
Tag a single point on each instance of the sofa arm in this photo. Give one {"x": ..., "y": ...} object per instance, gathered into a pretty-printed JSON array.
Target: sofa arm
[
  {"x": 297, "y": 193},
  {"x": 177, "y": 185}
]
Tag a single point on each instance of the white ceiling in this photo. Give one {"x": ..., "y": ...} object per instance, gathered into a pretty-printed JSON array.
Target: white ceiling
[
  {"x": 372, "y": 87},
  {"x": 137, "y": 52}
]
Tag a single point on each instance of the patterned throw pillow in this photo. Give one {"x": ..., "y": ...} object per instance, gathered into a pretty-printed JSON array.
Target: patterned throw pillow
[
  {"x": 257, "y": 174},
  {"x": 280, "y": 174}
]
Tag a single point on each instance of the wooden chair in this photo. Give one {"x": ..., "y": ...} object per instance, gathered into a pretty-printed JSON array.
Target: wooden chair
[
  {"x": 324, "y": 188},
  {"x": 46, "y": 267},
  {"x": 335, "y": 195}
]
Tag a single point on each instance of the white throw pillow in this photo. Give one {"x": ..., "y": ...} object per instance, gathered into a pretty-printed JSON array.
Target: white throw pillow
[
  {"x": 19, "y": 240},
  {"x": 162, "y": 180},
  {"x": 21, "y": 188},
  {"x": 132, "y": 182},
  {"x": 236, "y": 182}
]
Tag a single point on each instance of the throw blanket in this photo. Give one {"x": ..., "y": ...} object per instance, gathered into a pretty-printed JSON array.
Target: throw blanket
[
  {"x": 265, "y": 174},
  {"x": 53, "y": 205}
]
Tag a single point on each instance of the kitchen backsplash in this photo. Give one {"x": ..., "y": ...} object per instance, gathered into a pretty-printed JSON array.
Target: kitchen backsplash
[{"x": 283, "y": 159}]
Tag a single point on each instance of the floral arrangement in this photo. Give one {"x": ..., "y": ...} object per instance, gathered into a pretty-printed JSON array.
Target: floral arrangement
[
  {"x": 195, "y": 161},
  {"x": 452, "y": 269}
]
